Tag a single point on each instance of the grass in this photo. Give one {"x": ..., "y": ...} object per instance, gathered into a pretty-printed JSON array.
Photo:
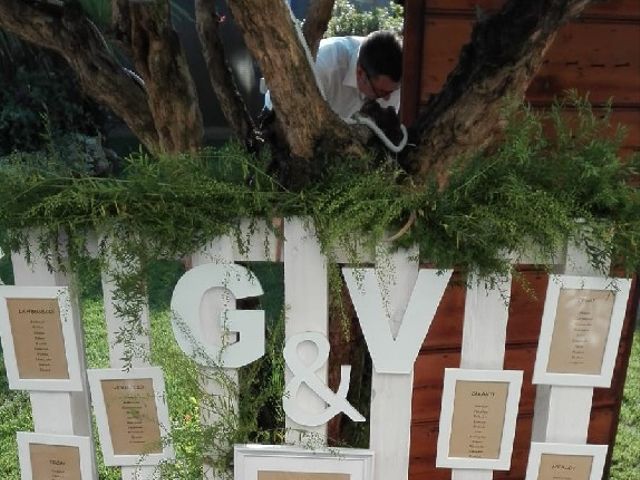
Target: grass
[
  {"x": 182, "y": 389},
  {"x": 625, "y": 464}
]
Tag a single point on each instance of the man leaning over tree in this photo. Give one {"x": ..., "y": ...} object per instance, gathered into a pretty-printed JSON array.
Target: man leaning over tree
[{"x": 352, "y": 70}]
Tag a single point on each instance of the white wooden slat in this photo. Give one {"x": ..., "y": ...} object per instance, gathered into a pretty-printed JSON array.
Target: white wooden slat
[
  {"x": 486, "y": 313},
  {"x": 562, "y": 413},
  {"x": 254, "y": 242},
  {"x": 391, "y": 394},
  {"x": 72, "y": 412},
  {"x": 306, "y": 300},
  {"x": 531, "y": 256},
  {"x": 213, "y": 303},
  {"x": 258, "y": 243},
  {"x": 141, "y": 349},
  {"x": 141, "y": 344}
]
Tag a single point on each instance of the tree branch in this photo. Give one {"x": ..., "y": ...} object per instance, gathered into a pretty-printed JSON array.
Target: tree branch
[
  {"x": 121, "y": 24},
  {"x": 160, "y": 59},
  {"x": 316, "y": 22},
  {"x": 505, "y": 52},
  {"x": 273, "y": 40},
  {"x": 69, "y": 33},
  {"x": 221, "y": 77}
]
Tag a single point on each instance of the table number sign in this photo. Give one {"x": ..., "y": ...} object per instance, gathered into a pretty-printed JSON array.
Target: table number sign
[
  {"x": 581, "y": 328},
  {"x": 132, "y": 415},
  {"x": 302, "y": 476},
  {"x": 278, "y": 462},
  {"x": 558, "y": 461},
  {"x": 478, "y": 417},
  {"x": 55, "y": 457},
  {"x": 479, "y": 409},
  {"x": 39, "y": 339}
]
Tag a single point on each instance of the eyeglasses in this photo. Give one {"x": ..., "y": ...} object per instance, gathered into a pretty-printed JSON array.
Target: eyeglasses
[{"x": 377, "y": 92}]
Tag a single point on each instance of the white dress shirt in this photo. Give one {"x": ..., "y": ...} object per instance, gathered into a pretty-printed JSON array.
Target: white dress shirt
[{"x": 335, "y": 70}]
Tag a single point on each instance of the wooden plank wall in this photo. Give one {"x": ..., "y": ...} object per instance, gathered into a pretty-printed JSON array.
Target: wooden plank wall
[{"x": 598, "y": 54}]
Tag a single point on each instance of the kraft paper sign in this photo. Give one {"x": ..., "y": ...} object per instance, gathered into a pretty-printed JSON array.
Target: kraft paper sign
[
  {"x": 580, "y": 331},
  {"x": 478, "y": 419},
  {"x": 262, "y": 475},
  {"x": 54, "y": 462},
  {"x": 565, "y": 467},
  {"x": 36, "y": 329},
  {"x": 132, "y": 416}
]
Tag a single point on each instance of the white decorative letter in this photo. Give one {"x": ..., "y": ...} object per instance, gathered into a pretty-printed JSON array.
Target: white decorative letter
[
  {"x": 337, "y": 402},
  {"x": 196, "y": 341},
  {"x": 397, "y": 355}
]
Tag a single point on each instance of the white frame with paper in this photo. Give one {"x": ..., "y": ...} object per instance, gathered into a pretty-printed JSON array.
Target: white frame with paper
[
  {"x": 621, "y": 288},
  {"x": 61, "y": 294},
  {"x": 451, "y": 376},
  {"x": 598, "y": 452},
  {"x": 24, "y": 439},
  {"x": 249, "y": 460},
  {"x": 100, "y": 409}
]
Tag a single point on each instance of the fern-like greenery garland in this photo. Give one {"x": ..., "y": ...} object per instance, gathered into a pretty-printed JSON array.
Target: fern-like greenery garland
[{"x": 527, "y": 193}]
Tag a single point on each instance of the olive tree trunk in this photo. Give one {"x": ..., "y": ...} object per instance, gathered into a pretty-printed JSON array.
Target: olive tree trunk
[{"x": 504, "y": 54}]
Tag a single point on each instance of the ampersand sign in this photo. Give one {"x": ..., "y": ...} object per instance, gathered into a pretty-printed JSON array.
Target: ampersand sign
[{"x": 336, "y": 402}]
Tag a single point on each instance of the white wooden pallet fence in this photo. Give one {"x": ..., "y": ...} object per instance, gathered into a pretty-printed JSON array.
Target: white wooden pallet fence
[
  {"x": 60, "y": 413},
  {"x": 141, "y": 345},
  {"x": 261, "y": 246},
  {"x": 561, "y": 413},
  {"x": 484, "y": 335}
]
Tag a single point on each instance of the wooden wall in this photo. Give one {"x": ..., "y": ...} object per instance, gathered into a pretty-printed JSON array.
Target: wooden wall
[{"x": 598, "y": 54}]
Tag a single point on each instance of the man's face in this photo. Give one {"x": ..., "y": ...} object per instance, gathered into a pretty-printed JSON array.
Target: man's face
[{"x": 373, "y": 87}]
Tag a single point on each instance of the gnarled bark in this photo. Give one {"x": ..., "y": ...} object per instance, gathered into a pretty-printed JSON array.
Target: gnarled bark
[
  {"x": 231, "y": 102},
  {"x": 160, "y": 60},
  {"x": 505, "y": 52},
  {"x": 69, "y": 33},
  {"x": 273, "y": 40},
  {"x": 121, "y": 24},
  {"x": 316, "y": 22}
]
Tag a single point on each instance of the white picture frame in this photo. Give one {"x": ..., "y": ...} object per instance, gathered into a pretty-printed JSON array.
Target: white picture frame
[
  {"x": 538, "y": 449},
  {"x": 250, "y": 460},
  {"x": 513, "y": 379},
  {"x": 83, "y": 444},
  {"x": 68, "y": 328},
  {"x": 96, "y": 377},
  {"x": 621, "y": 287}
]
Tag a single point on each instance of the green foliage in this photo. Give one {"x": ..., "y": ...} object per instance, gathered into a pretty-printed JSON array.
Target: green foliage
[
  {"x": 39, "y": 98},
  {"x": 347, "y": 19},
  {"x": 535, "y": 192},
  {"x": 526, "y": 193},
  {"x": 97, "y": 10},
  {"x": 625, "y": 463},
  {"x": 15, "y": 416}
]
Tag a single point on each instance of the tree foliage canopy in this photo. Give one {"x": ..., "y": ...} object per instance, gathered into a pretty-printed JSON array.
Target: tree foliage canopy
[{"x": 158, "y": 100}]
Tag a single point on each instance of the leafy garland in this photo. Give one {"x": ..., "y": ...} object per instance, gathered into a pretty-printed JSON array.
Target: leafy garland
[{"x": 526, "y": 193}]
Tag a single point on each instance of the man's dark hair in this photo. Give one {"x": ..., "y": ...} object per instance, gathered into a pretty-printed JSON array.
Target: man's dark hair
[{"x": 381, "y": 54}]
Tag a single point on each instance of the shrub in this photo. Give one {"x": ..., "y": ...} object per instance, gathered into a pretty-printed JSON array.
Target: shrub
[{"x": 347, "y": 19}]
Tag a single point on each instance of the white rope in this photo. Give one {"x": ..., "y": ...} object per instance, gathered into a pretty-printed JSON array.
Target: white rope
[{"x": 357, "y": 118}]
